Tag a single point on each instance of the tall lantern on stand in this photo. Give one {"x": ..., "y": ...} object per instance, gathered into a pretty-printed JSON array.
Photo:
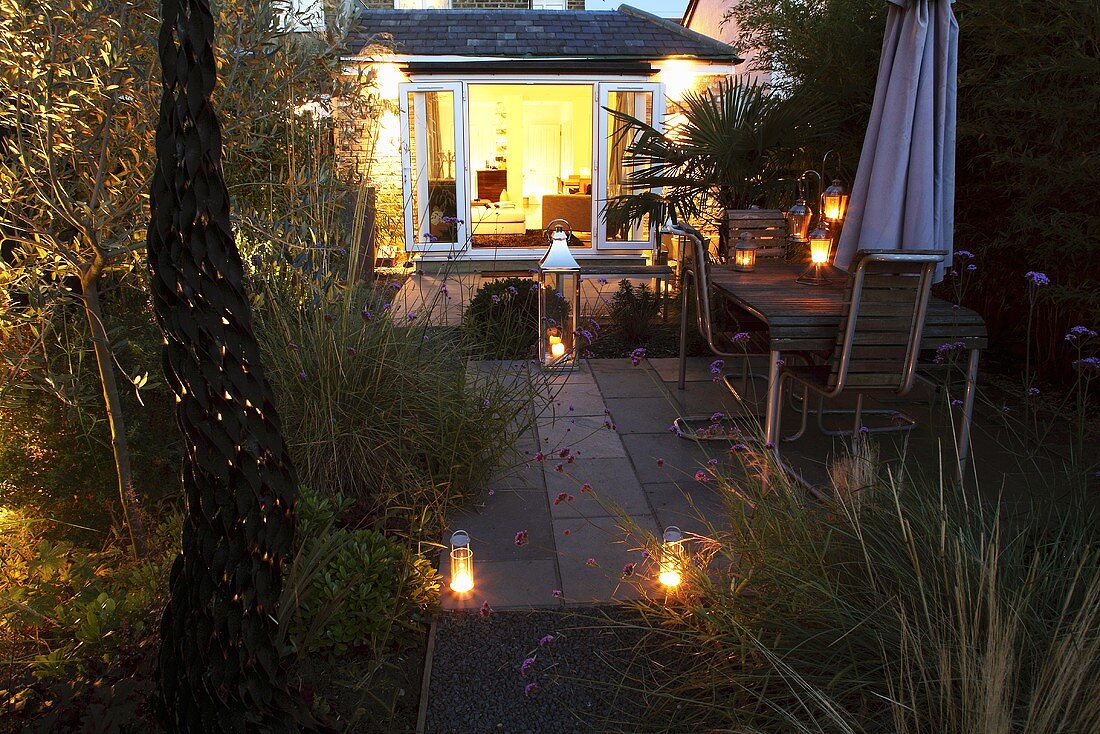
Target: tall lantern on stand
[{"x": 559, "y": 301}]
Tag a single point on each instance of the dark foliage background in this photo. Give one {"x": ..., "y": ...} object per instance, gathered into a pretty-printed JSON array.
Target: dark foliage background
[{"x": 1026, "y": 150}]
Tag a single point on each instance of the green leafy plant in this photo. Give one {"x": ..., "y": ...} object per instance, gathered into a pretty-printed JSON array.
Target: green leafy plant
[
  {"x": 733, "y": 143},
  {"x": 503, "y": 317},
  {"x": 354, "y": 587},
  {"x": 633, "y": 310}
]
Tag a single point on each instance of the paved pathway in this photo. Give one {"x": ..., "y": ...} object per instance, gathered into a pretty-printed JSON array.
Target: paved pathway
[{"x": 612, "y": 418}]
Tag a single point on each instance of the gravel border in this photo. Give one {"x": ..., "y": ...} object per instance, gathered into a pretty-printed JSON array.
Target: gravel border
[{"x": 477, "y": 684}]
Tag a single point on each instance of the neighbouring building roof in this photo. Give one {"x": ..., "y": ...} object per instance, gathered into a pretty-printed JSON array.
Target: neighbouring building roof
[{"x": 623, "y": 34}]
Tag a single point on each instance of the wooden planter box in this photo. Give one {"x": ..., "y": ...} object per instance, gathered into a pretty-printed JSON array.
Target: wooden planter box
[{"x": 768, "y": 228}]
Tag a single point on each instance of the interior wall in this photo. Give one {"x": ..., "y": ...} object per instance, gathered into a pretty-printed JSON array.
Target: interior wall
[{"x": 517, "y": 109}]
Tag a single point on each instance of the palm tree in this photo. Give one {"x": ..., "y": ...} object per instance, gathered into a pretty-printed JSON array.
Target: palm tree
[{"x": 726, "y": 148}]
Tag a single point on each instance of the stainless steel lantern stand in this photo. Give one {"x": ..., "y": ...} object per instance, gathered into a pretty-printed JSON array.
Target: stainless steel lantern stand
[{"x": 559, "y": 301}]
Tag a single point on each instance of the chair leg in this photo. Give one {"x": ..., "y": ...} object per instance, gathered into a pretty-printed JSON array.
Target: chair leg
[
  {"x": 905, "y": 422},
  {"x": 805, "y": 416},
  {"x": 683, "y": 330}
]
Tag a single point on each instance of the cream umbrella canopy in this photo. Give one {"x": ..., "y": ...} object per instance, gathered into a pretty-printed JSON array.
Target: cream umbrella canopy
[{"x": 903, "y": 196}]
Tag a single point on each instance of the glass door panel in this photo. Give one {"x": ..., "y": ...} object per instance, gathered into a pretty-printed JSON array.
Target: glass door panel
[
  {"x": 434, "y": 174},
  {"x": 642, "y": 102}
]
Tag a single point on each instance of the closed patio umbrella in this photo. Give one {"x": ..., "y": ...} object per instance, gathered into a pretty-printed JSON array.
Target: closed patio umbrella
[{"x": 904, "y": 192}]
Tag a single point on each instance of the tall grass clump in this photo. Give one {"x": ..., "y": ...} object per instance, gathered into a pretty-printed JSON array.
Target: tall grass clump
[
  {"x": 894, "y": 606},
  {"x": 377, "y": 408}
]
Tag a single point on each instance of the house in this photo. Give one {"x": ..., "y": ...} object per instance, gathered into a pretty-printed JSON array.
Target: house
[
  {"x": 500, "y": 124},
  {"x": 709, "y": 17}
]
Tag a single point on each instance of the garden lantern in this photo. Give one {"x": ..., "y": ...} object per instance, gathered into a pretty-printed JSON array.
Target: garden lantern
[
  {"x": 834, "y": 201},
  {"x": 672, "y": 557},
  {"x": 799, "y": 216},
  {"x": 462, "y": 562},
  {"x": 744, "y": 253},
  {"x": 559, "y": 301},
  {"x": 821, "y": 243}
]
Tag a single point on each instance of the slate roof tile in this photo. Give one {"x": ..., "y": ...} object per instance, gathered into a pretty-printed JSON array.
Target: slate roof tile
[{"x": 625, "y": 33}]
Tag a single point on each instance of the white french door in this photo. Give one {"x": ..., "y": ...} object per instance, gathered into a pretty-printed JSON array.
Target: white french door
[
  {"x": 644, "y": 102},
  {"x": 434, "y": 173}
]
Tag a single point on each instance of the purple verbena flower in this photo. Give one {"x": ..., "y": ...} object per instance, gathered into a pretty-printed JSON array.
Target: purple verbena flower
[
  {"x": 628, "y": 570},
  {"x": 556, "y": 593},
  {"x": 700, "y": 476},
  {"x": 1032, "y": 392},
  {"x": 525, "y": 666},
  {"x": 531, "y": 689},
  {"x": 545, "y": 640},
  {"x": 964, "y": 254},
  {"x": 485, "y": 610},
  {"x": 1080, "y": 333},
  {"x": 1037, "y": 278},
  {"x": 494, "y": 298},
  {"x": 366, "y": 314},
  {"x": 971, "y": 268},
  {"x": 716, "y": 416},
  {"x": 637, "y": 356}
]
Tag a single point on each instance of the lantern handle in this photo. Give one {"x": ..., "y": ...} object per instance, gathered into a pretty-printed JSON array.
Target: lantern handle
[{"x": 556, "y": 223}]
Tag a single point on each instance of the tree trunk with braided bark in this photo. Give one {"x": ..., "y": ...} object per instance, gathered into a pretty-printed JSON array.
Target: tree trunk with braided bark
[{"x": 219, "y": 668}]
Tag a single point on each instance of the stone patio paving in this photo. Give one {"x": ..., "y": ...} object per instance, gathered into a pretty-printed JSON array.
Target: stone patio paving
[{"x": 614, "y": 418}]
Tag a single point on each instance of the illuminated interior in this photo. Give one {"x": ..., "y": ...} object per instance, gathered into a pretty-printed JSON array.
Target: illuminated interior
[{"x": 530, "y": 162}]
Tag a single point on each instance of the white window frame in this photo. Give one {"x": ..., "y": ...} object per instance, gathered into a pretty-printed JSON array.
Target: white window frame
[
  {"x": 549, "y": 4},
  {"x": 599, "y": 172},
  {"x": 410, "y": 178}
]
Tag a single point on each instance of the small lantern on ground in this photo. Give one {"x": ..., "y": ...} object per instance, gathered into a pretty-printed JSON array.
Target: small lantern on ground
[
  {"x": 799, "y": 216},
  {"x": 834, "y": 201},
  {"x": 462, "y": 563},
  {"x": 672, "y": 558},
  {"x": 821, "y": 244},
  {"x": 559, "y": 301},
  {"x": 744, "y": 253}
]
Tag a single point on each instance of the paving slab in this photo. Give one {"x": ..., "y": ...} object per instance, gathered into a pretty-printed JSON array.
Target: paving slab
[
  {"x": 692, "y": 506},
  {"x": 604, "y": 541},
  {"x": 585, "y": 436},
  {"x": 493, "y": 527},
  {"x": 570, "y": 400},
  {"x": 637, "y": 383},
  {"x": 642, "y": 415},
  {"x": 614, "y": 485},
  {"x": 506, "y": 585},
  {"x": 680, "y": 457}
]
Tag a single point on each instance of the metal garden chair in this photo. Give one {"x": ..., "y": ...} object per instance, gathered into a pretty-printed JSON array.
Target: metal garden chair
[{"x": 878, "y": 342}]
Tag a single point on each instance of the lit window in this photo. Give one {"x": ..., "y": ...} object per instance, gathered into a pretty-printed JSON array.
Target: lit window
[
  {"x": 548, "y": 4},
  {"x": 422, "y": 4}
]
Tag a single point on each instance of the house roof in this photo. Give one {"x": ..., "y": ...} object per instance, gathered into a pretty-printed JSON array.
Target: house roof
[{"x": 623, "y": 34}]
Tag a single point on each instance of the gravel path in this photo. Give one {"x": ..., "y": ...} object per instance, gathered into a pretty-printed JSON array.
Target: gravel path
[{"x": 477, "y": 684}]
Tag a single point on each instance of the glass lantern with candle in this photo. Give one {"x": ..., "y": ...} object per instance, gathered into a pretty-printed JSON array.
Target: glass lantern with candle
[
  {"x": 744, "y": 253},
  {"x": 799, "y": 216},
  {"x": 821, "y": 244},
  {"x": 462, "y": 563},
  {"x": 672, "y": 557},
  {"x": 834, "y": 201},
  {"x": 559, "y": 301}
]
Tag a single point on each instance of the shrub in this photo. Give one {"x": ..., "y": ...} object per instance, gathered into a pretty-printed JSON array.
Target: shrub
[
  {"x": 361, "y": 588},
  {"x": 77, "y": 627},
  {"x": 633, "y": 310},
  {"x": 502, "y": 317},
  {"x": 897, "y": 606}
]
